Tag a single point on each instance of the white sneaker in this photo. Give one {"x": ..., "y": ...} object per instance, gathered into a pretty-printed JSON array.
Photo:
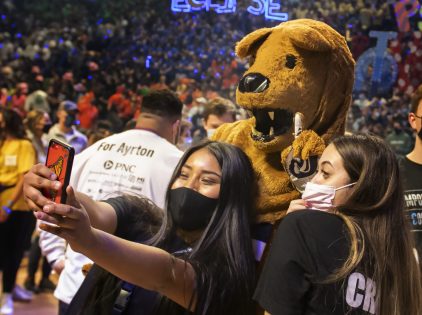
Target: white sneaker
[
  {"x": 6, "y": 304},
  {"x": 22, "y": 295}
]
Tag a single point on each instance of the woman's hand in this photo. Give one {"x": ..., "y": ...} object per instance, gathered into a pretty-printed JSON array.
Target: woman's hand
[
  {"x": 298, "y": 204},
  {"x": 69, "y": 221},
  {"x": 39, "y": 178}
]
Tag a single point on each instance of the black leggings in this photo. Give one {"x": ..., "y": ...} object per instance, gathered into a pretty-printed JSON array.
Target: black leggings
[
  {"x": 15, "y": 238},
  {"x": 34, "y": 258}
]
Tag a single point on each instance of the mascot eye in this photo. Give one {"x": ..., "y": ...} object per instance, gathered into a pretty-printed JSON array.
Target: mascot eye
[{"x": 290, "y": 61}]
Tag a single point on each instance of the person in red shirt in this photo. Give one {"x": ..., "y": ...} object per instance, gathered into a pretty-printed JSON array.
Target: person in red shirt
[
  {"x": 88, "y": 112},
  {"x": 19, "y": 98},
  {"x": 120, "y": 103}
]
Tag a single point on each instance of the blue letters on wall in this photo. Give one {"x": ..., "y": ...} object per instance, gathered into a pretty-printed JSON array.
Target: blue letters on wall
[{"x": 270, "y": 8}]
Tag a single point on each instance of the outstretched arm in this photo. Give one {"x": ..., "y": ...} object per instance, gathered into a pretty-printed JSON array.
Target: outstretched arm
[
  {"x": 146, "y": 266},
  {"x": 40, "y": 177}
]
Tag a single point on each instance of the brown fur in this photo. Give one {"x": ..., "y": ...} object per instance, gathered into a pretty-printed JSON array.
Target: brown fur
[{"x": 319, "y": 86}]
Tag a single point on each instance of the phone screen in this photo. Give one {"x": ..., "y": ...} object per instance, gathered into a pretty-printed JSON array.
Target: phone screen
[{"x": 59, "y": 160}]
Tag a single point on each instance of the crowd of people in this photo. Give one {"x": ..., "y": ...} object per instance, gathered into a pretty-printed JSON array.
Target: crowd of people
[
  {"x": 108, "y": 60},
  {"x": 99, "y": 76}
]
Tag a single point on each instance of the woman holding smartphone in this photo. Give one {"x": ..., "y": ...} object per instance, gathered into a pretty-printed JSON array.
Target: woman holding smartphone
[
  {"x": 345, "y": 247},
  {"x": 200, "y": 261}
]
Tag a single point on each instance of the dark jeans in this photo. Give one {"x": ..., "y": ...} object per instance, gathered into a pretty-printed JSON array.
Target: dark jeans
[
  {"x": 63, "y": 308},
  {"x": 15, "y": 238},
  {"x": 34, "y": 258}
]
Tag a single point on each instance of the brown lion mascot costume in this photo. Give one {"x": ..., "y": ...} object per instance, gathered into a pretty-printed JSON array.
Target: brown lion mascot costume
[{"x": 300, "y": 66}]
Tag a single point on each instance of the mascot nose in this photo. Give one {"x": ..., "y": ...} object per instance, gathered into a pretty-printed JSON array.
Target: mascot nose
[{"x": 254, "y": 83}]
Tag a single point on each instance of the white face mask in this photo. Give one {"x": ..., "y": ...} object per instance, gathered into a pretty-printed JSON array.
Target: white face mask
[
  {"x": 320, "y": 197},
  {"x": 210, "y": 132}
]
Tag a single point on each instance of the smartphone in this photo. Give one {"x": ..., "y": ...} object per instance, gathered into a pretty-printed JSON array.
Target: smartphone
[{"x": 59, "y": 160}]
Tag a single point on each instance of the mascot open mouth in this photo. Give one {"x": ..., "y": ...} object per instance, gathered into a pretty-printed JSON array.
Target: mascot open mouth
[{"x": 271, "y": 123}]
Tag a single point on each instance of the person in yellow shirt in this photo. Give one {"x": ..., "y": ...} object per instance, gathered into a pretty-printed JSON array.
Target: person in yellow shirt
[{"x": 17, "y": 156}]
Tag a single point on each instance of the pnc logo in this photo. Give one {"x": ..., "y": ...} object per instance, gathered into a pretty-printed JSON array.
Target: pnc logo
[{"x": 108, "y": 164}]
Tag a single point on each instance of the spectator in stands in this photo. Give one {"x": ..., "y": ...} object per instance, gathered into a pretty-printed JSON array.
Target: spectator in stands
[
  {"x": 17, "y": 156},
  {"x": 411, "y": 166},
  {"x": 217, "y": 112},
  {"x": 87, "y": 111},
  {"x": 37, "y": 123},
  {"x": 399, "y": 140},
  {"x": 65, "y": 130},
  {"x": 37, "y": 100},
  {"x": 19, "y": 98},
  {"x": 102, "y": 130},
  {"x": 185, "y": 138}
]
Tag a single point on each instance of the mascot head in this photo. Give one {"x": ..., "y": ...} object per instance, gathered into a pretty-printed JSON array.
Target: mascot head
[{"x": 298, "y": 66}]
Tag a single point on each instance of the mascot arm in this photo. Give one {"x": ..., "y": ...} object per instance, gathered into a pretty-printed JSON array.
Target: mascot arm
[
  {"x": 237, "y": 133},
  {"x": 307, "y": 144}
]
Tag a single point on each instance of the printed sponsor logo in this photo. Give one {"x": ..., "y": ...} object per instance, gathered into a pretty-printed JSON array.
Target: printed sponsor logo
[{"x": 108, "y": 164}]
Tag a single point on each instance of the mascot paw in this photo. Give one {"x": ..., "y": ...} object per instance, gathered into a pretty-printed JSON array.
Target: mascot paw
[{"x": 307, "y": 144}]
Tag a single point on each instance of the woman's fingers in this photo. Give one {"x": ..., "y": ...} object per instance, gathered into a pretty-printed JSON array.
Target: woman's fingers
[
  {"x": 55, "y": 230},
  {"x": 60, "y": 221},
  {"x": 71, "y": 197},
  {"x": 38, "y": 179},
  {"x": 34, "y": 198},
  {"x": 50, "y": 228},
  {"x": 43, "y": 171},
  {"x": 66, "y": 228},
  {"x": 41, "y": 176},
  {"x": 62, "y": 210},
  {"x": 32, "y": 205}
]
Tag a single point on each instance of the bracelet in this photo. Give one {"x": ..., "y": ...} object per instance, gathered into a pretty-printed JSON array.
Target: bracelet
[{"x": 7, "y": 209}]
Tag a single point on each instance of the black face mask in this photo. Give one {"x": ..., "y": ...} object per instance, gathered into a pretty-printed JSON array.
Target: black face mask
[
  {"x": 70, "y": 120},
  {"x": 46, "y": 128},
  {"x": 189, "y": 209},
  {"x": 420, "y": 134},
  {"x": 397, "y": 131}
]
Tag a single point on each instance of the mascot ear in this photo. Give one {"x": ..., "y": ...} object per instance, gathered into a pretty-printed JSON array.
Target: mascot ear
[
  {"x": 309, "y": 38},
  {"x": 251, "y": 42}
]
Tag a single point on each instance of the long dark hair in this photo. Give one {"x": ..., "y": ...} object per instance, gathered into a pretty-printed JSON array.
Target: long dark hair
[
  {"x": 222, "y": 257},
  {"x": 13, "y": 124},
  {"x": 381, "y": 244}
]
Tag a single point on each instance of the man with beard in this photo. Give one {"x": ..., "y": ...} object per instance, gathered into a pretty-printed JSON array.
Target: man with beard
[{"x": 411, "y": 166}]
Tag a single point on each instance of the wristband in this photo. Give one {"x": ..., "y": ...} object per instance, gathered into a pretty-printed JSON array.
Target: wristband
[{"x": 7, "y": 209}]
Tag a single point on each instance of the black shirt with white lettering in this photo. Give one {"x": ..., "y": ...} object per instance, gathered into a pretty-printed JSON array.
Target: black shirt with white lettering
[
  {"x": 412, "y": 184},
  {"x": 308, "y": 246}
]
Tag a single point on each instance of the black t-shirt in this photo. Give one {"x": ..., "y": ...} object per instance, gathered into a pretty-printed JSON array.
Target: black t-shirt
[
  {"x": 308, "y": 246},
  {"x": 100, "y": 289},
  {"x": 412, "y": 184}
]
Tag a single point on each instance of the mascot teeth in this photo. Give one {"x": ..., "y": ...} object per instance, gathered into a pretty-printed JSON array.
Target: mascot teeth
[
  {"x": 271, "y": 123},
  {"x": 271, "y": 114},
  {"x": 272, "y": 131}
]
